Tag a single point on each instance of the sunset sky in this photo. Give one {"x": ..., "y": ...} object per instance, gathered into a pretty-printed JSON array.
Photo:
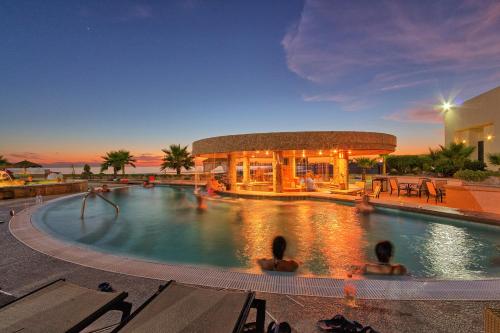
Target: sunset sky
[{"x": 79, "y": 78}]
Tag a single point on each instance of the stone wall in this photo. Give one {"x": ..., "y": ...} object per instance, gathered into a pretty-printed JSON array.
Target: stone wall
[{"x": 14, "y": 192}]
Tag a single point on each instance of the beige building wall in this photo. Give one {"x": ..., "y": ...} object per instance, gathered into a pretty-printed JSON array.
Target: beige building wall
[{"x": 476, "y": 120}]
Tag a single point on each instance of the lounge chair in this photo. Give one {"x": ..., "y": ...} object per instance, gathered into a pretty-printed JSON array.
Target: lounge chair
[
  {"x": 395, "y": 186},
  {"x": 432, "y": 191},
  {"x": 60, "y": 306},
  {"x": 376, "y": 191},
  {"x": 181, "y": 308}
]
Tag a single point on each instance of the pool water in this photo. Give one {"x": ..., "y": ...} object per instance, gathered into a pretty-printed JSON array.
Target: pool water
[{"x": 326, "y": 238}]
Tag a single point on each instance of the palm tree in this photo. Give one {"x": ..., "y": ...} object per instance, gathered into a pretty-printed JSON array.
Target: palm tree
[
  {"x": 456, "y": 153},
  {"x": 365, "y": 163},
  {"x": 126, "y": 159},
  {"x": 494, "y": 159},
  {"x": 87, "y": 173},
  {"x": 177, "y": 158},
  {"x": 117, "y": 160}
]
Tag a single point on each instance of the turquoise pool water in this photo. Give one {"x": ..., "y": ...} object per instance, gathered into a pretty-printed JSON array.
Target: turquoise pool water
[{"x": 163, "y": 224}]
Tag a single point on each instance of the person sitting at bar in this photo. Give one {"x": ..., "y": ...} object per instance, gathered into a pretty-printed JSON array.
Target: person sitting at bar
[
  {"x": 277, "y": 263},
  {"x": 147, "y": 184},
  {"x": 310, "y": 186},
  {"x": 384, "y": 252}
]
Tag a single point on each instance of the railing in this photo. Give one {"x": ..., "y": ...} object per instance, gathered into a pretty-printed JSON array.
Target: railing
[{"x": 84, "y": 203}]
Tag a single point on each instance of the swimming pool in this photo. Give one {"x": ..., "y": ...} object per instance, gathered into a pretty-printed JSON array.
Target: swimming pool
[{"x": 162, "y": 224}]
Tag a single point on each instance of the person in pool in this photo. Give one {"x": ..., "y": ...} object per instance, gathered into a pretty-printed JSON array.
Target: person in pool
[
  {"x": 147, "y": 184},
  {"x": 364, "y": 206},
  {"x": 277, "y": 263},
  {"x": 384, "y": 252},
  {"x": 200, "y": 200}
]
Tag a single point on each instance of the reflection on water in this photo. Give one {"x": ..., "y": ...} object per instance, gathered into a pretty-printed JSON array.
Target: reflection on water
[
  {"x": 449, "y": 249},
  {"x": 163, "y": 224}
]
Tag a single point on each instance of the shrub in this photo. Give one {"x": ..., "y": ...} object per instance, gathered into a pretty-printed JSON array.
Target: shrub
[
  {"x": 471, "y": 175},
  {"x": 401, "y": 164},
  {"x": 474, "y": 165},
  {"x": 494, "y": 159}
]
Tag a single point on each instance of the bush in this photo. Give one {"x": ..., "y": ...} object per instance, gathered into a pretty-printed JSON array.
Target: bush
[
  {"x": 474, "y": 165},
  {"x": 471, "y": 175},
  {"x": 446, "y": 167},
  {"x": 402, "y": 164}
]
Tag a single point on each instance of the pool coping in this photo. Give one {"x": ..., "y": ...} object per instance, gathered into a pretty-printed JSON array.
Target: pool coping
[{"x": 22, "y": 228}]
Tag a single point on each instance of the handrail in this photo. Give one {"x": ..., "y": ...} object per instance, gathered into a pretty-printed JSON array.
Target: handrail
[{"x": 102, "y": 197}]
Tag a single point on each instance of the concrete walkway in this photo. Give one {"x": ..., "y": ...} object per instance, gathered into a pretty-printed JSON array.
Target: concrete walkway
[{"x": 23, "y": 269}]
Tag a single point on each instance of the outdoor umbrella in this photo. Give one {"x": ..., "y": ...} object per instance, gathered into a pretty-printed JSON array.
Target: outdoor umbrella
[{"x": 26, "y": 164}]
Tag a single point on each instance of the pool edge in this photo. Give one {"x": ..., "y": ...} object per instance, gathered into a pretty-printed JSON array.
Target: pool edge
[{"x": 23, "y": 230}]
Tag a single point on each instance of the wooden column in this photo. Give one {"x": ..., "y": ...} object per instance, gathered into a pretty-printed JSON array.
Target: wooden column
[
  {"x": 246, "y": 170},
  {"x": 293, "y": 163},
  {"x": 341, "y": 169},
  {"x": 277, "y": 171},
  {"x": 343, "y": 162},
  {"x": 231, "y": 170}
]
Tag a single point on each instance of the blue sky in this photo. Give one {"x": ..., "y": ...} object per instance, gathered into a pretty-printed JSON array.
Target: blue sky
[{"x": 81, "y": 78}]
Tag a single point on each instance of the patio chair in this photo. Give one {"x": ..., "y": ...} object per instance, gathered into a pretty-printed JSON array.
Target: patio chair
[
  {"x": 361, "y": 186},
  {"x": 419, "y": 187},
  {"x": 60, "y": 306},
  {"x": 181, "y": 308},
  {"x": 395, "y": 186},
  {"x": 376, "y": 191},
  {"x": 432, "y": 191},
  {"x": 440, "y": 185}
]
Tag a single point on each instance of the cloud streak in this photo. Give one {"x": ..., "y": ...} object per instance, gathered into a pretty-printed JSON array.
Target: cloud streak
[
  {"x": 421, "y": 113},
  {"x": 377, "y": 49},
  {"x": 336, "y": 39}
]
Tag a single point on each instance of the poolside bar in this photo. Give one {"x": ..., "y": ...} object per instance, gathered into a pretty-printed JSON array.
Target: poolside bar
[{"x": 282, "y": 161}]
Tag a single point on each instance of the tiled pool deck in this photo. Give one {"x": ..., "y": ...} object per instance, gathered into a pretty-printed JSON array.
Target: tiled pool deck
[
  {"x": 398, "y": 289},
  {"x": 22, "y": 270}
]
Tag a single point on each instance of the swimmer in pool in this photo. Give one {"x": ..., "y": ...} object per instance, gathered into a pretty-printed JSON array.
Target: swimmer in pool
[
  {"x": 384, "y": 252},
  {"x": 200, "y": 200},
  {"x": 364, "y": 207},
  {"x": 277, "y": 263}
]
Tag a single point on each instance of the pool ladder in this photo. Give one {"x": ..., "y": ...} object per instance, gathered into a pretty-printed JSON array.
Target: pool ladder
[{"x": 102, "y": 197}]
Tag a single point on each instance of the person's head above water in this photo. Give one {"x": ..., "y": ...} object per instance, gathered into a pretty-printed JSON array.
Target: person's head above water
[
  {"x": 279, "y": 247},
  {"x": 383, "y": 250}
]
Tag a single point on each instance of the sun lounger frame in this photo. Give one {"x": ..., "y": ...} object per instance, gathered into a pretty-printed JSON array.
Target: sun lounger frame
[
  {"x": 118, "y": 303},
  {"x": 251, "y": 302}
]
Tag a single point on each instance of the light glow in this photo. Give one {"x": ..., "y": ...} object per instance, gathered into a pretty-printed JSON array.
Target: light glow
[{"x": 446, "y": 106}]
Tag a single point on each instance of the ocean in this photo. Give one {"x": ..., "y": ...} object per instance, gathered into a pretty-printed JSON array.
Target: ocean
[{"x": 97, "y": 170}]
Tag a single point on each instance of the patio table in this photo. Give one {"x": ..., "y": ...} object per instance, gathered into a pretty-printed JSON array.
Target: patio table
[
  {"x": 384, "y": 182},
  {"x": 408, "y": 186}
]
